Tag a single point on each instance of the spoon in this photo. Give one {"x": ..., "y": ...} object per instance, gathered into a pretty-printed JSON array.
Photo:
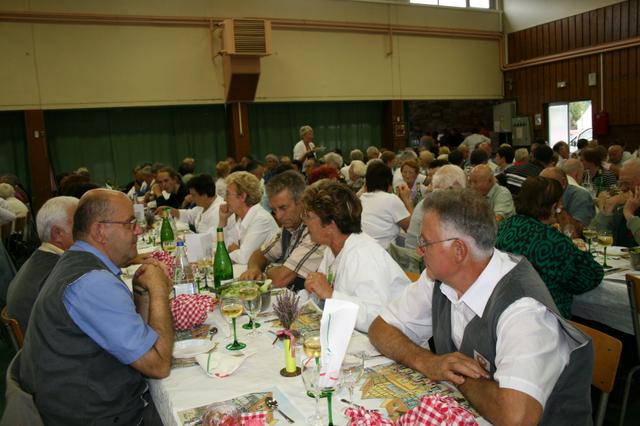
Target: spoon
[{"x": 273, "y": 404}]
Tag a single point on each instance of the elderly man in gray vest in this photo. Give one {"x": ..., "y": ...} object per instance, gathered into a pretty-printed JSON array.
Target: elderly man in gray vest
[
  {"x": 87, "y": 349},
  {"x": 497, "y": 332},
  {"x": 55, "y": 230}
]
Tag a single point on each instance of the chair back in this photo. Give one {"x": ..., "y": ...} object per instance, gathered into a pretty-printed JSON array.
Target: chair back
[
  {"x": 15, "y": 331},
  {"x": 20, "y": 225},
  {"x": 633, "y": 287},
  {"x": 607, "y": 352},
  {"x": 5, "y": 230}
]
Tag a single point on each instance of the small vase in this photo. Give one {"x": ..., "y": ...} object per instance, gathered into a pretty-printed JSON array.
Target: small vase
[{"x": 290, "y": 369}]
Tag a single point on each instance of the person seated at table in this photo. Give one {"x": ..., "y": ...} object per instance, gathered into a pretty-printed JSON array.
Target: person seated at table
[
  {"x": 412, "y": 178},
  {"x": 483, "y": 181},
  {"x": 87, "y": 349},
  {"x": 445, "y": 176},
  {"x": 291, "y": 255},
  {"x": 169, "y": 189},
  {"x": 204, "y": 217},
  {"x": 619, "y": 213},
  {"x": 55, "y": 230},
  {"x": 354, "y": 266},
  {"x": 254, "y": 225},
  {"x": 579, "y": 208},
  {"x": 592, "y": 159},
  {"x": 383, "y": 214},
  {"x": 496, "y": 331},
  {"x": 564, "y": 268},
  {"x": 142, "y": 180},
  {"x": 11, "y": 203}
]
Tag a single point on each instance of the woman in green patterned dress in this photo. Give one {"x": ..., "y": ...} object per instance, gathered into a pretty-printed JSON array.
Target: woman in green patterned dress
[{"x": 565, "y": 269}]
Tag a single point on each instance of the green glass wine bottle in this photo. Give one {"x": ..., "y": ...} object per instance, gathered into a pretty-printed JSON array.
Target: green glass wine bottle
[
  {"x": 222, "y": 266},
  {"x": 167, "y": 238}
]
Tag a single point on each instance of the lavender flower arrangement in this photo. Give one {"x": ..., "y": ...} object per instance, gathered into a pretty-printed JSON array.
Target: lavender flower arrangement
[{"x": 287, "y": 309}]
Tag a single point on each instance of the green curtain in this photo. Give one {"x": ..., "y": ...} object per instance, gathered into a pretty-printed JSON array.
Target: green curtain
[
  {"x": 110, "y": 142},
  {"x": 274, "y": 127},
  {"x": 13, "y": 145}
]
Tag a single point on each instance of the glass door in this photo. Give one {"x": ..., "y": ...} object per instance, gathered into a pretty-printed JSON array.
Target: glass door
[{"x": 570, "y": 121}]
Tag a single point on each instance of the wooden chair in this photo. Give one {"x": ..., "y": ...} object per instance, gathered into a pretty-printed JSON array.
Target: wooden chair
[
  {"x": 5, "y": 230},
  {"x": 14, "y": 329},
  {"x": 20, "y": 224},
  {"x": 633, "y": 287},
  {"x": 607, "y": 351}
]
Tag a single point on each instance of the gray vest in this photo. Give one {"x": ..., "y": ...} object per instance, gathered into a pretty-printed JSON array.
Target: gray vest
[
  {"x": 26, "y": 285},
  {"x": 570, "y": 400},
  {"x": 73, "y": 380}
]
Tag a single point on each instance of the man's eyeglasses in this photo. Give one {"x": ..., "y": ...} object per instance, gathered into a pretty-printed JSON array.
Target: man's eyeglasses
[
  {"x": 131, "y": 224},
  {"x": 423, "y": 244}
]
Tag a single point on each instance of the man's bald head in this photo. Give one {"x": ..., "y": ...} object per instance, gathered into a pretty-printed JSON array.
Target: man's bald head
[
  {"x": 481, "y": 179},
  {"x": 630, "y": 175},
  {"x": 94, "y": 206},
  {"x": 555, "y": 173},
  {"x": 615, "y": 154},
  {"x": 574, "y": 168}
]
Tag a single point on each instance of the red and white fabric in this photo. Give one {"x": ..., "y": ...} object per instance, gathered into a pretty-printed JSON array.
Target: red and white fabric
[{"x": 190, "y": 310}]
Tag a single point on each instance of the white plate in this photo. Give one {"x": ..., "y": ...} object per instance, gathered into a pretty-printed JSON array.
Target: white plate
[
  {"x": 614, "y": 250},
  {"x": 192, "y": 347}
]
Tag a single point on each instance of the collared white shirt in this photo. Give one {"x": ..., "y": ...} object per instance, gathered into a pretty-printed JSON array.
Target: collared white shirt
[
  {"x": 250, "y": 233},
  {"x": 50, "y": 248},
  {"x": 300, "y": 149},
  {"x": 365, "y": 274},
  {"x": 381, "y": 213},
  {"x": 531, "y": 350},
  {"x": 205, "y": 221},
  {"x": 573, "y": 182}
]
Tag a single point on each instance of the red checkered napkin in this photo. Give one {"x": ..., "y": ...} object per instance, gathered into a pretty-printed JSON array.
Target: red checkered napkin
[
  {"x": 254, "y": 419},
  {"x": 362, "y": 417},
  {"x": 437, "y": 410},
  {"x": 167, "y": 259},
  {"x": 190, "y": 310}
]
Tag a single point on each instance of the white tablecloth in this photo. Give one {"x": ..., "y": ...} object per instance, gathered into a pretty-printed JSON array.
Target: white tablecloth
[
  {"x": 189, "y": 387},
  {"x": 609, "y": 302}
]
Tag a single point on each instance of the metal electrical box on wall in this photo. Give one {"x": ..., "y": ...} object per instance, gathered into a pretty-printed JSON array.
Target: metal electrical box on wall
[
  {"x": 502, "y": 116},
  {"x": 521, "y": 132}
]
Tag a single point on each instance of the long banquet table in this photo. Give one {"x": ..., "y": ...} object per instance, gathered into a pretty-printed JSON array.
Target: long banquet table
[
  {"x": 190, "y": 387},
  {"x": 609, "y": 302}
]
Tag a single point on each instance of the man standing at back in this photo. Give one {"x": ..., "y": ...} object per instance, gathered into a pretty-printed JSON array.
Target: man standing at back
[
  {"x": 55, "y": 229},
  {"x": 289, "y": 257},
  {"x": 86, "y": 349}
]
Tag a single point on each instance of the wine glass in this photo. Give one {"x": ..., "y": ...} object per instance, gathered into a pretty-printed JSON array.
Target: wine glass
[
  {"x": 606, "y": 239},
  {"x": 589, "y": 234},
  {"x": 351, "y": 372},
  {"x": 231, "y": 309},
  {"x": 311, "y": 379},
  {"x": 252, "y": 301}
]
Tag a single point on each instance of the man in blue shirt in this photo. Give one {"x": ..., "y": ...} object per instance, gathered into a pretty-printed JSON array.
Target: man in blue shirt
[{"x": 86, "y": 348}]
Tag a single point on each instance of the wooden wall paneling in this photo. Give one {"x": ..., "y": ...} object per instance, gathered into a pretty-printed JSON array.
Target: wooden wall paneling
[
  {"x": 540, "y": 39},
  {"x": 565, "y": 34},
  {"x": 547, "y": 38},
  {"x": 571, "y": 33},
  {"x": 633, "y": 18},
  {"x": 624, "y": 21},
  {"x": 608, "y": 25},
  {"x": 614, "y": 93},
  {"x": 600, "y": 28},
  {"x": 511, "y": 40},
  {"x": 574, "y": 86},
  {"x": 633, "y": 85},
  {"x": 532, "y": 52},
  {"x": 624, "y": 86},
  {"x": 586, "y": 29},
  {"x": 608, "y": 85},
  {"x": 593, "y": 27},
  {"x": 594, "y": 66},
  {"x": 577, "y": 34},
  {"x": 558, "y": 37}
]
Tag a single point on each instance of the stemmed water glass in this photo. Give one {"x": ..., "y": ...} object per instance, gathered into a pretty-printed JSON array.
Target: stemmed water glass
[
  {"x": 351, "y": 372},
  {"x": 590, "y": 234},
  {"x": 605, "y": 239},
  {"x": 311, "y": 379},
  {"x": 252, "y": 301},
  {"x": 231, "y": 309}
]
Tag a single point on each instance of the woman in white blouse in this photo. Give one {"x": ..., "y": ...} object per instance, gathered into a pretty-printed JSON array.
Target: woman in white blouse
[
  {"x": 354, "y": 266},
  {"x": 383, "y": 214},
  {"x": 204, "y": 217},
  {"x": 254, "y": 225}
]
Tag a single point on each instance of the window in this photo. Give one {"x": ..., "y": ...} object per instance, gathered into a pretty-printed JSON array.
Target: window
[
  {"x": 569, "y": 121},
  {"x": 481, "y": 4}
]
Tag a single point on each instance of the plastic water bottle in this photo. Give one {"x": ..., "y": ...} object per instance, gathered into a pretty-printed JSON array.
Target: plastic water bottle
[{"x": 183, "y": 282}]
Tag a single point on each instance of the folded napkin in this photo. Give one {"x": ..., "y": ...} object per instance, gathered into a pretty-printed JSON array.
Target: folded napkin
[
  {"x": 437, "y": 410},
  {"x": 336, "y": 328},
  {"x": 167, "y": 259},
  {"x": 221, "y": 365},
  {"x": 214, "y": 418},
  {"x": 433, "y": 410},
  {"x": 190, "y": 310},
  {"x": 362, "y": 417}
]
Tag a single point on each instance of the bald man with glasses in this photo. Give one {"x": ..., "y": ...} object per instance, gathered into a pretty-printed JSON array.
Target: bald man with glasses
[{"x": 87, "y": 349}]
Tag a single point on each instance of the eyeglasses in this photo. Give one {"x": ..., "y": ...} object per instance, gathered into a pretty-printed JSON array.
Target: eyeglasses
[
  {"x": 423, "y": 244},
  {"x": 127, "y": 223}
]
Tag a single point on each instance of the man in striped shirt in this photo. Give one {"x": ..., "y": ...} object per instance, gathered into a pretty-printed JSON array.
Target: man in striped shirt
[
  {"x": 291, "y": 255},
  {"x": 516, "y": 175}
]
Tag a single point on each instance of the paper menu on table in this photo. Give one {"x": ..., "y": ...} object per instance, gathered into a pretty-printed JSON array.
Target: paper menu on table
[
  {"x": 336, "y": 327},
  {"x": 199, "y": 246}
]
